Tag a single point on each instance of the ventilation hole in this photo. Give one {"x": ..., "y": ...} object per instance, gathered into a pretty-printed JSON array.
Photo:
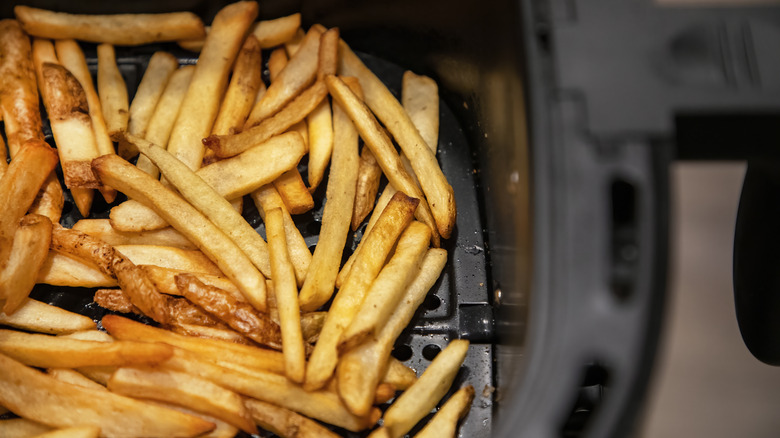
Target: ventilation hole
[
  {"x": 402, "y": 352},
  {"x": 313, "y": 228},
  {"x": 432, "y": 302},
  {"x": 430, "y": 351},
  {"x": 624, "y": 240},
  {"x": 588, "y": 396}
]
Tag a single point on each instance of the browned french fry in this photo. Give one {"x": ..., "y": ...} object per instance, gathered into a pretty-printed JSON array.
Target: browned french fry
[
  {"x": 114, "y": 300},
  {"x": 22, "y": 428},
  {"x": 120, "y": 29},
  {"x": 360, "y": 369},
  {"x": 72, "y": 432},
  {"x": 165, "y": 280},
  {"x": 294, "y": 112},
  {"x": 286, "y": 293},
  {"x": 311, "y": 325},
  {"x": 445, "y": 422},
  {"x": 102, "y": 229},
  {"x": 187, "y": 220},
  {"x": 28, "y": 252},
  {"x": 267, "y": 198},
  {"x": 299, "y": 72},
  {"x": 185, "y": 390},
  {"x": 243, "y": 88},
  {"x": 369, "y": 262},
  {"x": 284, "y": 422},
  {"x": 294, "y": 193},
  {"x": 398, "y": 374},
  {"x": 36, "y": 316},
  {"x": 74, "y": 377},
  {"x": 381, "y": 147},
  {"x": 369, "y": 175},
  {"x": 271, "y": 33},
  {"x": 340, "y": 195},
  {"x": 384, "y": 392},
  {"x": 161, "y": 123},
  {"x": 158, "y": 72},
  {"x": 177, "y": 310},
  {"x": 113, "y": 93},
  {"x": 36, "y": 396}
]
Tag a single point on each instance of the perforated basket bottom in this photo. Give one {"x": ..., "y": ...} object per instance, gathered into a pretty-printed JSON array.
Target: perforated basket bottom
[{"x": 458, "y": 306}]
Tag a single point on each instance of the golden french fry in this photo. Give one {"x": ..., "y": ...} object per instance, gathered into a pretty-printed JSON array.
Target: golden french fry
[
  {"x": 165, "y": 280},
  {"x": 284, "y": 422},
  {"x": 36, "y": 316},
  {"x": 206, "y": 332},
  {"x": 89, "y": 335},
  {"x": 222, "y": 429},
  {"x": 421, "y": 397},
  {"x": 72, "y": 432},
  {"x": 38, "y": 397},
  {"x": 225, "y": 354},
  {"x": 243, "y": 88},
  {"x": 181, "y": 389},
  {"x": 28, "y": 252},
  {"x": 340, "y": 196},
  {"x": 74, "y": 377},
  {"x": 294, "y": 193},
  {"x": 360, "y": 369},
  {"x": 299, "y": 72},
  {"x": 420, "y": 99},
  {"x": 271, "y": 33},
  {"x": 3, "y": 158},
  {"x": 63, "y": 270},
  {"x": 384, "y": 392},
  {"x": 113, "y": 92},
  {"x": 383, "y": 150},
  {"x": 276, "y": 63},
  {"x": 161, "y": 123},
  {"x": 154, "y": 81},
  {"x": 187, "y": 220},
  {"x": 201, "y": 103},
  {"x": 286, "y": 293},
  {"x": 58, "y": 352},
  {"x": 389, "y": 287},
  {"x": 169, "y": 257},
  {"x": 102, "y": 229},
  {"x": 369, "y": 175},
  {"x": 134, "y": 217},
  {"x": 22, "y": 428},
  {"x": 203, "y": 197},
  {"x": 320, "y": 124},
  {"x": 328, "y": 62},
  {"x": 381, "y": 432},
  {"x": 293, "y": 44},
  {"x": 369, "y": 262},
  {"x": 445, "y": 422},
  {"x": 119, "y": 29}
]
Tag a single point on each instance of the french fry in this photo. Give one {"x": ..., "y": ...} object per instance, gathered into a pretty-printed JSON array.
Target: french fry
[
  {"x": 161, "y": 123},
  {"x": 36, "y": 316},
  {"x": 389, "y": 287},
  {"x": 284, "y": 422},
  {"x": 445, "y": 422},
  {"x": 63, "y": 270},
  {"x": 420, "y": 99},
  {"x": 102, "y": 229},
  {"x": 74, "y": 377},
  {"x": 328, "y": 62},
  {"x": 97, "y": 374},
  {"x": 133, "y": 217},
  {"x": 22, "y": 428},
  {"x": 120, "y": 29},
  {"x": 369, "y": 262},
  {"x": 206, "y": 332},
  {"x": 243, "y": 88},
  {"x": 320, "y": 125},
  {"x": 165, "y": 280},
  {"x": 298, "y": 74},
  {"x": 375, "y": 138},
  {"x": 276, "y": 63},
  {"x": 225, "y": 354},
  {"x": 292, "y": 113},
  {"x": 56, "y": 352},
  {"x": 187, "y": 220},
  {"x": 360, "y": 369},
  {"x": 203, "y": 197},
  {"x": 369, "y": 175},
  {"x": 267, "y": 198},
  {"x": 222, "y": 429},
  {"x": 387, "y": 108},
  {"x": 169, "y": 257},
  {"x": 28, "y": 252},
  {"x": 340, "y": 195},
  {"x": 381, "y": 432},
  {"x": 311, "y": 325},
  {"x": 177, "y": 310},
  {"x": 420, "y": 398},
  {"x": 181, "y": 389},
  {"x": 72, "y": 432},
  {"x": 3, "y": 158},
  {"x": 19, "y": 186},
  {"x": 89, "y": 335},
  {"x": 153, "y": 83},
  {"x": 113, "y": 93},
  {"x": 201, "y": 103},
  {"x": 296, "y": 196},
  {"x": 286, "y": 293},
  {"x": 271, "y": 33},
  {"x": 293, "y": 44},
  {"x": 399, "y": 375},
  {"x": 384, "y": 392},
  {"x": 38, "y": 397}
]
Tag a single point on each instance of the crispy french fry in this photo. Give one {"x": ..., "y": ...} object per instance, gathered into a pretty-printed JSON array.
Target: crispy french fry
[
  {"x": 36, "y": 316},
  {"x": 311, "y": 325},
  {"x": 72, "y": 432},
  {"x": 165, "y": 280},
  {"x": 399, "y": 375},
  {"x": 36, "y": 396},
  {"x": 187, "y": 220},
  {"x": 369, "y": 175},
  {"x": 299, "y": 72},
  {"x": 102, "y": 229},
  {"x": 423, "y": 396},
  {"x": 384, "y": 392},
  {"x": 284, "y": 422},
  {"x": 63, "y": 270},
  {"x": 320, "y": 124},
  {"x": 161, "y": 123},
  {"x": 203, "y": 197},
  {"x": 120, "y": 29},
  {"x": 360, "y": 369},
  {"x": 445, "y": 422},
  {"x": 243, "y": 88},
  {"x": 28, "y": 252},
  {"x": 329, "y": 54},
  {"x": 22, "y": 428},
  {"x": 381, "y": 147},
  {"x": 113, "y": 92},
  {"x": 74, "y": 377},
  {"x": 271, "y": 33},
  {"x": 286, "y": 293},
  {"x": 267, "y": 198},
  {"x": 389, "y": 287},
  {"x": 340, "y": 195},
  {"x": 369, "y": 262},
  {"x": 201, "y": 103},
  {"x": 158, "y": 72},
  {"x": 294, "y": 193},
  {"x": 182, "y": 389},
  {"x": 57, "y": 352}
]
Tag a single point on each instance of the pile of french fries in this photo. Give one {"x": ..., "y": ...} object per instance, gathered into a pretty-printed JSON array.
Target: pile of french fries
[{"x": 250, "y": 333}]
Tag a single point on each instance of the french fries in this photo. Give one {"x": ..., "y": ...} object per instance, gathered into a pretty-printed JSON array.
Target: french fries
[
  {"x": 72, "y": 432},
  {"x": 445, "y": 422},
  {"x": 243, "y": 88},
  {"x": 36, "y": 316},
  {"x": 369, "y": 174},
  {"x": 271, "y": 33},
  {"x": 102, "y": 229},
  {"x": 284, "y": 422},
  {"x": 112, "y": 92},
  {"x": 22, "y": 428},
  {"x": 28, "y": 252}
]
